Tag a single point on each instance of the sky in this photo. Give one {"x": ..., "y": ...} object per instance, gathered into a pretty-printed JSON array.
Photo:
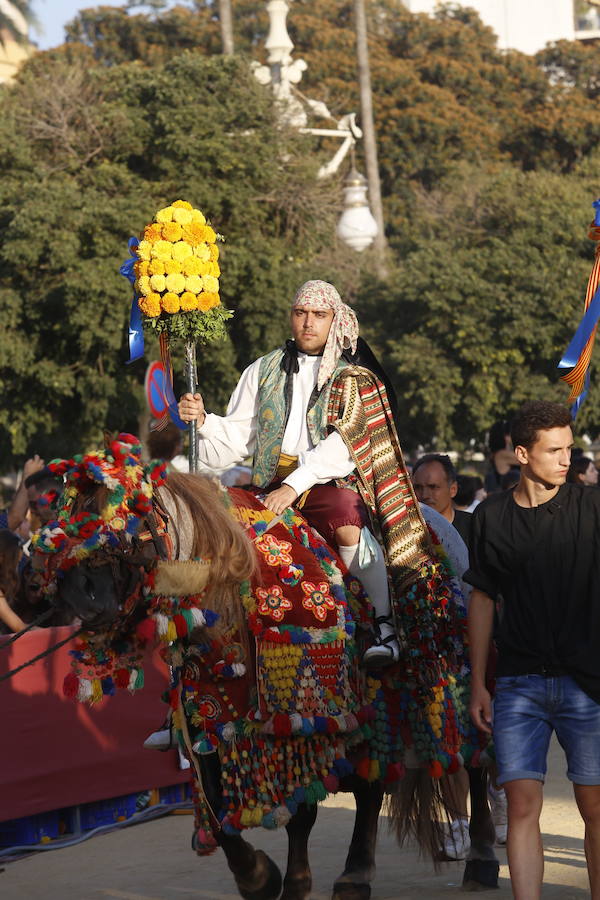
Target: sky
[{"x": 54, "y": 14}]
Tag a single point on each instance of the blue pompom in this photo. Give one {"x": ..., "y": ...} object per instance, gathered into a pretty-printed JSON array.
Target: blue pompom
[
  {"x": 321, "y": 724},
  {"x": 210, "y": 617},
  {"x": 299, "y": 795}
]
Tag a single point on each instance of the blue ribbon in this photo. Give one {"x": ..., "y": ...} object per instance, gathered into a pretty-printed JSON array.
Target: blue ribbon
[
  {"x": 169, "y": 396},
  {"x": 136, "y": 331},
  {"x": 596, "y": 205},
  {"x": 583, "y": 333}
]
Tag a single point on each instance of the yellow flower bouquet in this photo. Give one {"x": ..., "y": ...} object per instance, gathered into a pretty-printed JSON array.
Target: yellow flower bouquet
[{"x": 176, "y": 275}]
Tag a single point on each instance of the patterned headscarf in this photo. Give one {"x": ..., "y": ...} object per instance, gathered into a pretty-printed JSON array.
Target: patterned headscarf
[{"x": 343, "y": 332}]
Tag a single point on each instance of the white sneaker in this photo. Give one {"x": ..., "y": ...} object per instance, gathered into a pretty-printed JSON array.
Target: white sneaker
[
  {"x": 498, "y": 809},
  {"x": 160, "y": 740},
  {"x": 458, "y": 842},
  {"x": 385, "y": 649}
]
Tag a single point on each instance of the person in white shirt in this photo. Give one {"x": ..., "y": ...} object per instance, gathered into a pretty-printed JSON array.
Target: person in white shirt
[{"x": 277, "y": 415}]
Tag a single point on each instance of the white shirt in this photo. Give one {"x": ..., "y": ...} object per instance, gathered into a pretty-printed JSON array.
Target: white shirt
[{"x": 227, "y": 440}]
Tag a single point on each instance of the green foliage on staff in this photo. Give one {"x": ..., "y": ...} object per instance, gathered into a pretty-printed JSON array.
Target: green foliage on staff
[{"x": 488, "y": 166}]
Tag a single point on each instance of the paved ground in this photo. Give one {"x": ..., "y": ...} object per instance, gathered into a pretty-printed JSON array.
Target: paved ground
[{"x": 153, "y": 861}]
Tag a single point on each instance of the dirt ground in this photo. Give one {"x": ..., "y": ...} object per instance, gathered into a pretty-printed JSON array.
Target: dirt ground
[{"x": 153, "y": 861}]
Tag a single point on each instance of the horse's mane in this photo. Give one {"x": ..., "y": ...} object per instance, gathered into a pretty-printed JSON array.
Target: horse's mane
[{"x": 216, "y": 537}]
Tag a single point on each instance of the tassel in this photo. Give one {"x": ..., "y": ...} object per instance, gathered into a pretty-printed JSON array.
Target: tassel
[{"x": 71, "y": 685}]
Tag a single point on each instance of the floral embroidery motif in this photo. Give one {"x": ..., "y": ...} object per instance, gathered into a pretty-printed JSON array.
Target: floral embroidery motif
[
  {"x": 276, "y": 553},
  {"x": 317, "y": 599},
  {"x": 272, "y": 602}
]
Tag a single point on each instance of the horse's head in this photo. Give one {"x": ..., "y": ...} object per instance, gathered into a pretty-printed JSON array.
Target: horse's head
[{"x": 91, "y": 558}]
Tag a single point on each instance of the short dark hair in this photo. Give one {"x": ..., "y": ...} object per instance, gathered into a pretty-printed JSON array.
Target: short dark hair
[
  {"x": 443, "y": 459},
  {"x": 579, "y": 466},
  {"x": 497, "y": 434},
  {"x": 536, "y": 416},
  {"x": 468, "y": 485},
  {"x": 164, "y": 443},
  {"x": 44, "y": 481}
]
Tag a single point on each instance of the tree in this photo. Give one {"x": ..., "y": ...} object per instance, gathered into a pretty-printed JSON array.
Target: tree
[
  {"x": 88, "y": 155},
  {"x": 15, "y": 18}
]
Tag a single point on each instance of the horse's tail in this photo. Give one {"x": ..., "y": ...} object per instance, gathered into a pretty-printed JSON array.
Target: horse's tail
[{"x": 416, "y": 809}]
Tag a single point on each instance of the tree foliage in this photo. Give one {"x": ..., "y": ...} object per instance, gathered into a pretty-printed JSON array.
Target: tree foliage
[{"x": 487, "y": 162}]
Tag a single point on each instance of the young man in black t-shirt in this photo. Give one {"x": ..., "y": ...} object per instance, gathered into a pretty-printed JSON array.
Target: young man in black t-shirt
[{"x": 535, "y": 556}]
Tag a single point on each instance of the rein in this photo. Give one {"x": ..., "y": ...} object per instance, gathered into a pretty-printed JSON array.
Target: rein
[
  {"x": 42, "y": 655},
  {"x": 15, "y": 637}
]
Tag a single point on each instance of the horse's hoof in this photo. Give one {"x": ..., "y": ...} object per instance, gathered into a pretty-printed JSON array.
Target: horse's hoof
[
  {"x": 297, "y": 888},
  {"x": 480, "y": 875},
  {"x": 272, "y": 885},
  {"x": 348, "y": 890}
]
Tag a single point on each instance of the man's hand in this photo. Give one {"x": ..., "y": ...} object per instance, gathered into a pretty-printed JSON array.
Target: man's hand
[
  {"x": 279, "y": 500},
  {"x": 32, "y": 465},
  {"x": 480, "y": 708},
  {"x": 191, "y": 409}
]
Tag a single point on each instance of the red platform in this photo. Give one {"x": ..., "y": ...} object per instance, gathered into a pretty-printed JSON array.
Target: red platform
[{"x": 56, "y": 753}]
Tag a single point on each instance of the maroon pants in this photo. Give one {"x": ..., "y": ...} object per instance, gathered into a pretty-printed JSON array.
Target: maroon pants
[{"x": 328, "y": 507}]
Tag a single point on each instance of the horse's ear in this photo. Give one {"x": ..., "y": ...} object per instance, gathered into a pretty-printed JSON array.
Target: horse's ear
[{"x": 108, "y": 438}]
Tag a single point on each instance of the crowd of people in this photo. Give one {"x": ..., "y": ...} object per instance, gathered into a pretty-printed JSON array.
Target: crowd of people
[{"x": 304, "y": 414}]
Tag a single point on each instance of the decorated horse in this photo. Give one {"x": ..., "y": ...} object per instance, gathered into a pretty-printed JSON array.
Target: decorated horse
[{"x": 262, "y": 631}]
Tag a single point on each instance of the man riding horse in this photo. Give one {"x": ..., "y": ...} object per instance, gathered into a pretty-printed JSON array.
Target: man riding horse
[{"x": 280, "y": 414}]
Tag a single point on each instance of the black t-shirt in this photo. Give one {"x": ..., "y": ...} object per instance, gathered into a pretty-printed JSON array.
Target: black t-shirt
[
  {"x": 462, "y": 523},
  {"x": 544, "y": 566}
]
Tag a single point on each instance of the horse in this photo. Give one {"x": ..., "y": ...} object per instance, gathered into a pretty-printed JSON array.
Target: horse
[{"x": 262, "y": 630}]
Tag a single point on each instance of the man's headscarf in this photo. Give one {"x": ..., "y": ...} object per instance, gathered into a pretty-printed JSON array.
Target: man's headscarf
[{"x": 343, "y": 332}]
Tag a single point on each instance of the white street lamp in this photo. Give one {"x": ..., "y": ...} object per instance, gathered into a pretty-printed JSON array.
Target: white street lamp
[{"x": 357, "y": 226}]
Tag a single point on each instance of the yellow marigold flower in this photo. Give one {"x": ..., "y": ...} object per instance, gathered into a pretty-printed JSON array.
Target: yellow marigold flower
[
  {"x": 141, "y": 268},
  {"x": 198, "y": 217},
  {"x": 172, "y": 266},
  {"x": 170, "y": 302},
  {"x": 181, "y": 204},
  {"x": 152, "y": 232},
  {"x": 193, "y": 233},
  {"x": 209, "y": 234},
  {"x": 150, "y": 305},
  {"x": 192, "y": 266},
  {"x": 210, "y": 284},
  {"x": 142, "y": 285},
  {"x": 164, "y": 215},
  {"x": 202, "y": 252},
  {"x": 188, "y": 301},
  {"x": 171, "y": 231},
  {"x": 155, "y": 267},
  {"x": 175, "y": 283},
  {"x": 183, "y": 216},
  {"x": 193, "y": 283},
  {"x": 144, "y": 249},
  {"x": 181, "y": 250},
  {"x": 213, "y": 269},
  {"x": 158, "y": 283},
  {"x": 214, "y": 252},
  {"x": 161, "y": 250},
  {"x": 207, "y": 300}
]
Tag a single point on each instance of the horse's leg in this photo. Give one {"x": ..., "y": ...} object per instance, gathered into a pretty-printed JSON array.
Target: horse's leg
[
  {"x": 256, "y": 875},
  {"x": 297, "y": 883},
  {"x": 481, "y": 868},
  {"x": 355, "y": 881}
]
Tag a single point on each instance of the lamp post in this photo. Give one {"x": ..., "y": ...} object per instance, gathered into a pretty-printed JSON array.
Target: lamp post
[{"x": 356, "y": 227}]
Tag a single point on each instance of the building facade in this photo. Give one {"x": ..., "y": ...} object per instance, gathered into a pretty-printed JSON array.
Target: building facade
[{"x": 528, "y": 25}]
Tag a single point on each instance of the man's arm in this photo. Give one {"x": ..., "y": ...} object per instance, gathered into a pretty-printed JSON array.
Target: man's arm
[
  {"x": 18, "y": 508},
  {"x": 480, "y": 624},
  {"x": 228, "y": 440}
]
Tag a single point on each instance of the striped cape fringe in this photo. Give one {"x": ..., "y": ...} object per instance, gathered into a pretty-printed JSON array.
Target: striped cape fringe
[{"x": 360, "y": 412}]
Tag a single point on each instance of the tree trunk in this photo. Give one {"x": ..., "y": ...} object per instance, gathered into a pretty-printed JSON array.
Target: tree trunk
[
  {"x": 368, "y": 128},
  {"x": 226, "y": 20}
]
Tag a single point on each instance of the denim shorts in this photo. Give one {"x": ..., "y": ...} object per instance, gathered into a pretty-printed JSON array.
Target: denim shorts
[{"x": 527, "y": 709}]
